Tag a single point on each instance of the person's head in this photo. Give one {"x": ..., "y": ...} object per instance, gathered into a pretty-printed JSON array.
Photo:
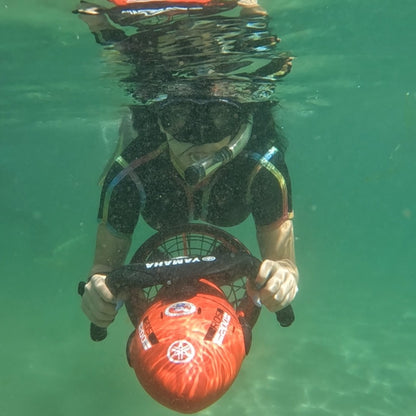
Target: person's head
[
  {"x": 187, "y": 351},
  {"x": 207, "y": 132}
]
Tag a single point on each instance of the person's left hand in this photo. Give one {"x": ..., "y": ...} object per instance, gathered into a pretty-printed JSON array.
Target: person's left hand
[{"x": 275, "y": 285}]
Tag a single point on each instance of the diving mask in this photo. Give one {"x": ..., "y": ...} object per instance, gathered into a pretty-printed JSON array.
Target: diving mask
[{"x": 201, "y": 121}]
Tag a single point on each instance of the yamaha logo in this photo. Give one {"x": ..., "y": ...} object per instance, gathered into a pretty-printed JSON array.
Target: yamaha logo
[
  {"x": 180, "y": 260},
  {"x": 181, "y": 352}
]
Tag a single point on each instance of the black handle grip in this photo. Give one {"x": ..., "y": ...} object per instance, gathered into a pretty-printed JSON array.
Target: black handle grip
[
  {"x": 228, "y": 266},
  {"x": 285, "y": 316},
  {"x": 97, "y": 333}
]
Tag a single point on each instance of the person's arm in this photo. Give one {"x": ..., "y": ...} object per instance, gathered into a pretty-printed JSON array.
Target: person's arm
[
  {"x": 276, "y": 283},
  {"x": 101, "y": 27},
  {"x": 98, "y": 304},
  {"x": 251, "y": 8},
  {"x": 110, "y": 251}
]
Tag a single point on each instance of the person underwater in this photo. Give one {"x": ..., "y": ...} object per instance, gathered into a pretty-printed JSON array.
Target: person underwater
[{"x": 202, "y": 143}]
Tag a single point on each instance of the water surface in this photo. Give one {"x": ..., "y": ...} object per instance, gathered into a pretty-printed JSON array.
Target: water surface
[{"x": 348, "y": 109}]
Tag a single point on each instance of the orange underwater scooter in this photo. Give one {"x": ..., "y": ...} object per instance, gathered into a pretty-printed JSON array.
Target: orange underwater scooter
[{"x": 191, "y": 313}]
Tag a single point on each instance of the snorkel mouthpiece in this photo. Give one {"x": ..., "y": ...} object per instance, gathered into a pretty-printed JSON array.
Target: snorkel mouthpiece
[{"x": 201, "y": 169}]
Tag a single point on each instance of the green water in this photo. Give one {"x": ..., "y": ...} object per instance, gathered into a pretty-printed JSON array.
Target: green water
[{"x": 348, "y": 110}]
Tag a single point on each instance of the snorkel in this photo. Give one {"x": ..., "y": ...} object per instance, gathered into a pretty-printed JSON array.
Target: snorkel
[{"x": 202, "y": 168}]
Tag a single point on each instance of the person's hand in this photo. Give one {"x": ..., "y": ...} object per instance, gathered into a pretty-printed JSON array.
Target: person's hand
[
  {"x": 94, "y": 17},
  {"x": 275, "y": 285},
  {"x": 86, "y": 8},
  {"x": 98, "y": 303}
]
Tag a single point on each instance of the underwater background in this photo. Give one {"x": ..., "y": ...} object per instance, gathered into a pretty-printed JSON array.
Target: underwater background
[{"x": 348, "y": 109}]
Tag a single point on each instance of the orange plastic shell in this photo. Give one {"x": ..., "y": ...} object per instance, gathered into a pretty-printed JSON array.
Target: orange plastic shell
[{"x": 187, "y": 353}]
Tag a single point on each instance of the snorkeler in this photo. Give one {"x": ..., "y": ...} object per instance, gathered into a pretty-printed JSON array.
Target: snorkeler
[{"x": 206, "y": 146}]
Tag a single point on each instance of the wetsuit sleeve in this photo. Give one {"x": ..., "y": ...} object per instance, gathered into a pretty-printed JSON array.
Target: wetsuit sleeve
[
  {"x": 120, "y": 202},
  {"x": 271, "y": 192},
  {"x": 109, "y": 36}
]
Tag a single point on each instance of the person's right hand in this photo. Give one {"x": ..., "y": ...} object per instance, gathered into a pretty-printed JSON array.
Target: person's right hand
[{"x": 98, "y": 303}]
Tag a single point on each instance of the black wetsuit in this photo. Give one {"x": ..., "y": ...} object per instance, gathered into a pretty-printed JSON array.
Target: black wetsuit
[{"x": 144, "y": 181}]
